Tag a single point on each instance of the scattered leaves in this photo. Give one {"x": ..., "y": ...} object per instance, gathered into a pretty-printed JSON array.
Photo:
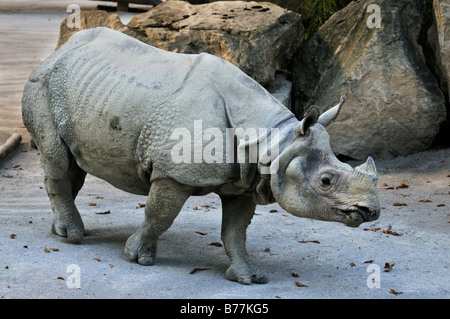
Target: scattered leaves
[
  {"x": 193, "y": 271},
  {"x": 392, "y": 291},
  {"x": 104, "y": 213},
  {"x": 92, "y": 204},
  {"x": 388, "y": 267},
  {"x": 12, "y": 236},
  {"x": 402, "y": 185},
  {"x": 216, "y": 243},
  {"x": 400, "y": 204},
  {"x": 299, "y": 284},
  {"x": 309, "y": 241},
  {"x": 425, "y": 201}
]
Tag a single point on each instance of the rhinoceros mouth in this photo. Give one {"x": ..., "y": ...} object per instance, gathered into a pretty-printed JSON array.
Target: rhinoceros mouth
[{"x": 354, "y": 218}]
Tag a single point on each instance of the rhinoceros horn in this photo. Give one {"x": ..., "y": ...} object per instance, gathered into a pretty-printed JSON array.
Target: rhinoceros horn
[
  {"x": 367, "y": 171},
  {"x": 330, "y": 115}
]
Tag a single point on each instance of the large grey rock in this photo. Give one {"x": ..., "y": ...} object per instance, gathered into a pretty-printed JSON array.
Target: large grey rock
[
  {"x": 439, "y": 41},
  {"x": 258, "y": 37},
  {"x": 394, "y": 104}
]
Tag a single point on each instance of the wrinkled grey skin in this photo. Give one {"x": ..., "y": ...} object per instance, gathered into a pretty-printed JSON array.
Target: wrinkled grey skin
[{"x": 106, "y": 104}]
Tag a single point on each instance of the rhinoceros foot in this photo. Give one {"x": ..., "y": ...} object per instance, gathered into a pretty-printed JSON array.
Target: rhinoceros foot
[{"x": 246, "y": 274}]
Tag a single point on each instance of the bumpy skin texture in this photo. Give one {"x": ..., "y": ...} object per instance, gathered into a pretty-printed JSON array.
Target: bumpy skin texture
[{"x": 107, "y": 104}]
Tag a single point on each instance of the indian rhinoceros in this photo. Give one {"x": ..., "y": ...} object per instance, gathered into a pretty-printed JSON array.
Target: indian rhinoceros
[{"x": 108, "y": 105}]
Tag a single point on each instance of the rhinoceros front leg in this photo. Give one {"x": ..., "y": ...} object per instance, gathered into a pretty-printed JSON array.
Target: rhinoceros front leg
[
  {"x": 237, "y": 214},
  {"x": 164, "y": 202}
]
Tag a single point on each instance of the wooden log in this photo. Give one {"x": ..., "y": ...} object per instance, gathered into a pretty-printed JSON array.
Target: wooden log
[{"x": 10, "y": 145}]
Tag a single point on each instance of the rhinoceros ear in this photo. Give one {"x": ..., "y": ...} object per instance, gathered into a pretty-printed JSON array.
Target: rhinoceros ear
[
  {"x": 330, "y": 115},
  {"x": 309, "y": 119}
]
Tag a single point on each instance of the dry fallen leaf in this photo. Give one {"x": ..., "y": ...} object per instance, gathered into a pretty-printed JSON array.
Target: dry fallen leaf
[
  {"x": 384, "y": 185},
  {"x": 15, "y": 165},
  {"x": 390, "y": 232},
  {"x": 272, "y": 211},
  {"x": 402, "y": 185},
  {"x": 352, "y": 264},
  {"x": 12, "y": 236},
  {"x": 425, "y": 201},
  {"x": 201, "y": 233},
  {"x": 216, "y": 243},
  {"x": 294, "y": 274},
  {"x": 388, "y": 267},
  {"x": 193, "y": 271},
  {"x": 99, "y": 197},
  {"x": 59, "y": 277},
  {"x": 54, "y": 249},
  {"x": 373, "y": 229},
  {"x": 194, "y": 207},
  {"x": 140, "y": 205},
  {"x": 7, "y": 176},
  {"x": 447, "y": 175},
  {"x": 92, "y": 204},
  {"x": 46, "y": 250},
  {"x": 440, "y": 205},
  {"x": 400, "y": 204},
  {"x": 98, "y": 259},
  {"x": 104, "y": 213},
  {"x": 309, "y": 241},
  {"x": 392, "y": 291},
  {"x": 427, "y": 181},
  {"x": 369, "y": 261},
  {"x": 299, "y": 284}
]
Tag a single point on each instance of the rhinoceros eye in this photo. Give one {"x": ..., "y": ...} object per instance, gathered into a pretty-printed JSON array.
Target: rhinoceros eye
[{"x": 326, "y": 181}]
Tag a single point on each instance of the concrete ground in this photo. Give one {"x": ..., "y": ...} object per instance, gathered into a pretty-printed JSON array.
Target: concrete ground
[{"x": 403, "y": 255}]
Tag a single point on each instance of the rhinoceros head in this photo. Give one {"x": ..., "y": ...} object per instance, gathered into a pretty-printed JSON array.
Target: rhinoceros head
[{"x": 311, "y": 182}]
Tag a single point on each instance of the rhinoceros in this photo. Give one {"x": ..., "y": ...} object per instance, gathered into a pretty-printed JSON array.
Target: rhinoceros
[{"x": 108, "y": 105}]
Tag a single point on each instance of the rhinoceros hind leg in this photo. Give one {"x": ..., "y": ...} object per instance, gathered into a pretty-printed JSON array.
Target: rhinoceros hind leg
[
  {"x": 237, "y": 214},
  {"x": 63, "y": 180},
  {"x": 164, "y": 202}
]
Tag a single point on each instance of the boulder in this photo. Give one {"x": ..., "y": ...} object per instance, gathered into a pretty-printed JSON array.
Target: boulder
[
  {"x": 370, "y": 54},
  {"x": 258, "y": 37},
  {"x": 439, "y": 41},
  {"x": 88, "y": 19}
]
